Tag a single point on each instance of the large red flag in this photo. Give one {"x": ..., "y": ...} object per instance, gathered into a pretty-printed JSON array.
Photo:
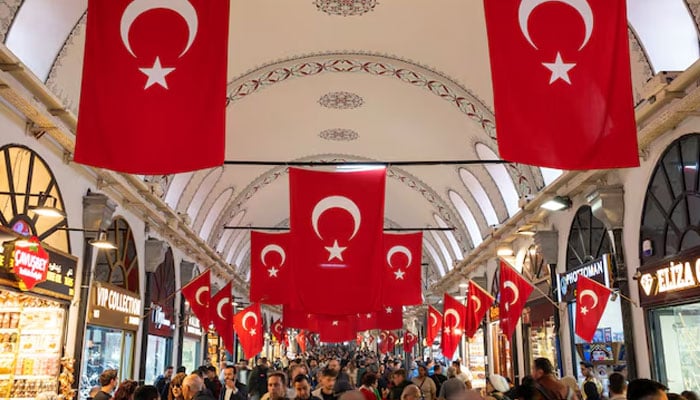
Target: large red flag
[
  {"x": 336, "y": 223},
  {"x": 248, "y": 324},
  {"x": 153, "y": 93},
  {"x": 478, "y": 304},
  {"x": 383, "y": 342},
  {"x": 367, "y": 322},
  {"x": 197, "y": 293},
  {"x": 409, "y": 340},
  {"x": 336, "y": 329},
  {"x": 301, "y": 341},
  {"x": 221, "y": 311},
  {"x": 277, "y": 330},
  {"x": 402, "y": 269},
  {"x": 392, "y": 338},
  {"x": 390, "y": 318},
  {"x": 562, "y": 83},
  {"x": 591, "y": 300},
  {"x": 269, "y": 267},
  {"x": 434, "y": 325},
  {"x": 453, "y": 325},
  {"x": 513, "y": 293}
]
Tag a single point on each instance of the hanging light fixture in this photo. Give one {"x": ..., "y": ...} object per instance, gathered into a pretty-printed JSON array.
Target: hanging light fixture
[
  {"x": 41, "y": 208},
  {"x": 557, "y": 203},
  {"x": 102, "y": 243}
]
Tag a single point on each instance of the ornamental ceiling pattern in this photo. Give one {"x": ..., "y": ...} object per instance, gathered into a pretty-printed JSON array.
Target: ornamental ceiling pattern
[
  {"x": 341, "y": 100},
  {"x": 339, "y": 135},
  {"x": 345, "y": 8},
  {"x": 8, "y": 9}
]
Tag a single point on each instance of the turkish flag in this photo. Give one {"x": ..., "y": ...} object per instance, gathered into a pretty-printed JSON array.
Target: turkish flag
[
  {"x": 294, "y": 318},
  {"x": 311, "y": 338},
  {"x": 336, "y": 328},
  {"x": 478, "y": 303},
  {"x": 301, "y": 341},
  {"x": 221, "y": 310},
  {"x": 402, "y": 269},
  {"x": 409, "y": 340},
  {"x": 197, "y": 293},
  {"x": 434, "y": 325},
  {"x": 153, "y": 95},
  {"x": 278, "y": 330},
  {"x": 384, "y": 342},
  {"x": 562, "y": 83},
  {"x": 269, "y": 267},
  {"x": 336, "y": 223},
  {"x": 248, "y": 324},
  {"x": 392, "y": 338},
  {"x": 453, "y": 325},
  {"x": 286, "y": 339},
  {"x": 367, "y": 322},
  {"x": 513, "y": 292},
  {"x": 591, "y": 300},
  {"x": 390, "y": 318}
]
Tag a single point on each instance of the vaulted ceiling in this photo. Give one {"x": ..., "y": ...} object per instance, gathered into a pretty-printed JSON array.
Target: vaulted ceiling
[{"x": 381, "y": 81}]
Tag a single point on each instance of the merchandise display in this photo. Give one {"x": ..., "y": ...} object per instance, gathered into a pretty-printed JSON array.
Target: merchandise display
[
  {"x": 31, "y": 331},
  {"x": 543, "y": 340},
  {"x": 476, "y": 358}
]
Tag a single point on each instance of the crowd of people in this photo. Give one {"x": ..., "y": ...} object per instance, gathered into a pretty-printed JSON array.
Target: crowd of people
[{"x": 335, "y": 373}]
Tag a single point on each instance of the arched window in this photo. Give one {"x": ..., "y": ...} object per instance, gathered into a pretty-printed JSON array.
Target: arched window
[
  {"x": 443, "y": 249},
  {"x": 177, "y": 186},
  {"x": 214, "y": 212},
  {"x": 205, "y": 187},
  {"x": 671, "y": 217},
  {"x": 467, "y": 217},
  {"x": 26, "y": 181},
  {"x": 549, "y": 175},
  {"x": 119, "y": 267},
  {"x": 500, "y": 176},
  {"x": 450, "y": 236},
  {"x": 435, "y": 256},
  {"x": 588, "y": 239},
  {"x": 482, "y": 199}
]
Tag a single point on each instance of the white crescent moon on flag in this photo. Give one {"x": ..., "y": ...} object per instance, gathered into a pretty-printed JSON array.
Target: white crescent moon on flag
[
  {"x": 274, "y": 248},
  {"x": 137, "y": 7},
  {"x": 382, "y": 336},
  {"x": 410, "y": 336},
  {"x": 581, "y": 6},
  {"x": 590, "y": 294},
  {"x": 433, "y": 318},
  {"x": 458, "y": 319},
  {"x": 399, "y": 249},
  {"x": 199, "y": 293},
  {"x": 222, "y": 302},
  {"x": 336, "y": 202},
  {"x": 278, "y": 328},
  {"x": 245, "y": 318},
  {"x": 477, "y": 301},
  {"x": 514, "y": 288}
]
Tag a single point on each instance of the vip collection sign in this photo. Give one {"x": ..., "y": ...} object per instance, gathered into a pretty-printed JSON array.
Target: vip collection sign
[
  {"x": 114, "y": 307},
  {"x": 671, "y": 280},
  {"x": 597, "y": 270}
]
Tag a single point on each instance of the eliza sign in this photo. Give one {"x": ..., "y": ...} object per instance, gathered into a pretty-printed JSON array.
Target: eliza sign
[
  {"x": 28, "y": 261},
  {"x": 670, "y": 281}
]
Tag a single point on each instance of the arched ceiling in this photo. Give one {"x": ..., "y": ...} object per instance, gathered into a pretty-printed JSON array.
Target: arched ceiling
[{"x": 390, "y": 80}]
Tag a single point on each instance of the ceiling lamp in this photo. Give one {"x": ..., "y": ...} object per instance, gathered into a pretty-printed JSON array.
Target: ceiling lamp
[
  {"x": 102, "y": 243},
  {"x": 464, "y": 285},
  {"x": 504, "y": 251},
  {"x": 41, "y": 208},
  {"x": 557, "y": 203},
  {"x": 526, "y": 231}
]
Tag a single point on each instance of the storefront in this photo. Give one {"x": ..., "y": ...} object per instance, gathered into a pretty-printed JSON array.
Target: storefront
[
  {"x": 36, "y": 286},
  {"x": 191, "y": 340},
  {"x": 161, "y": 326},
  {"x": 114, "y": 315},
  {"x": 499, "y": 347},
  {"x": 475, "y": 358},
  {"x": 606, "y": 352}
]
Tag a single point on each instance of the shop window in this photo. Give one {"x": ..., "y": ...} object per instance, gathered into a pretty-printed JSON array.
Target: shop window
[
  {"x": 119, "y": 267},
  {"x": 588, "y": 239},
  {"x": 26, "y": 181},
  {"x": 671, "y": 219}
]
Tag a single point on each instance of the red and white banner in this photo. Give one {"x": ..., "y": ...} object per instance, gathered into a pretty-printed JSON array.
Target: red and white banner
[
  {"x": 402, "y": 269},
  {"x": 514, "y": 291},
  {"x": 269, "y": 267},
  {"x": 337, "y": 224},
  {"x": 383, "y": 342},
  {"x": 591, "y": 300},
  {"x": 336, "y": 329},
  {"x": 409, "y": 340},
  {"x": 153, "y": 94},
  {"x": 392, "y": 338},
  {"x": 197, "y": 293},
  {"x": 248, "y": 324},
  {"x": 562, "y": 83},
  {"x": 221, "y": 315},
  {"x": 301, "y": 341},
  {"x": 277, "y": 330},
  {"x": 478, "y": 304},
  {"x": 433, "y": 324},
  {"x": 367, "y": 322},
  {"x": 453, "y": 325},
  {"x": 390, "y": 318}
]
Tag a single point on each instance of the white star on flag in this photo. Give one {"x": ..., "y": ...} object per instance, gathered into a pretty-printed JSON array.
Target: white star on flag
[
  {"x": 399, "y": 274},
  {"x": 584, "y": 310},
  {"x": 389, "y": 310},
  {"x": 156, "y": 74},
  {"x": 335, "y": 323},
  {"x": 447, "y": 330},
  {"x": 368, "y": 316},
  {"x": 252, "y": 332},
  {"x": 273, "y": 272},
  {"x": 335, "y": 251},
  {"x": 560, "y": 70}
]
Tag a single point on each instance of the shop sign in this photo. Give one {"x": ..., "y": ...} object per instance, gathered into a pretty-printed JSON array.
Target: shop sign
[
  {"x": 494, "y": 313},
  {"x": 160, "y": 321},
  {"x": 671, "y": 281},
  {"x": 114, "y": 307},
  {"x": 597, "y": 270},
  {"x": 194, "y": 327},
  {"x": 28, "y": 261}
]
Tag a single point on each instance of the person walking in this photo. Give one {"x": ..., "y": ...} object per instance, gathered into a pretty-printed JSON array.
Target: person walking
[
  {"x": 546, "y": 382},
  {"x": 108, "y": 381},
  {"x": 425, "y": 383}
]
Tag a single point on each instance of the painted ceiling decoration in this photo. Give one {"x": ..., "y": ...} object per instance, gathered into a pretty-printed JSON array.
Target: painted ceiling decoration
[
  {"x": 345, "y": 8},
  {"x": 339, "y": 135},
  {"x": 341, "y": 100}
]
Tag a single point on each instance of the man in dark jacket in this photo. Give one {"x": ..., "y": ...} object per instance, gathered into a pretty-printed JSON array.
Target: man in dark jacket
[
  {"x": 257, "y": 382},
  {"x": 212, "y": 382},
  {"x": 162, "y": 382},
  {"x": 232, "y": 390},
  {"x": 438, "y": 377},
  {"x": 398, "y": 377},
  {"x": 543, "y": 373}
]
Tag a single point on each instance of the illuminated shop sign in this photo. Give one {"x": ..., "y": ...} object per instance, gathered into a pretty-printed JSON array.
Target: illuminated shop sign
[
  {"x": 597, "y": 270},
  {"x": 114, "y": 307},
  {"x": 671, "y": 281}
]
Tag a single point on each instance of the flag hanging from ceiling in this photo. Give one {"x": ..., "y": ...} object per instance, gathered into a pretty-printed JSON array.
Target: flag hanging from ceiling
[
  {"x": 478, "y": 303},
  {"x": 336, "y": 222},
  {"x": 402, "y": 269},
  {"x": 434, "y": 324},
  {"x": 409, "y": 340},
  {"x": 367, "y": 322},
  {"x": 153, "y": 93},
  {"x": 248, "y": 324},
  {"x": 390, "y": 317},
  {"x": 301, "y": 341},
  {"x": 337, "y": 328},
  {"x": 269, "y": 267},
  {"x": 221, "y": 313},
  {"x": 277, "y": 330},
  {"x": 513, "y": 294},
  {"x": 591, "y": 300},
  {"x": 562, "y": 83},
  {"x": 383, "y": 342},
  {"x": 392, "y": 338},
  {"x": 453, "y": 325},
  {"x": 197, "y": 293}
]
